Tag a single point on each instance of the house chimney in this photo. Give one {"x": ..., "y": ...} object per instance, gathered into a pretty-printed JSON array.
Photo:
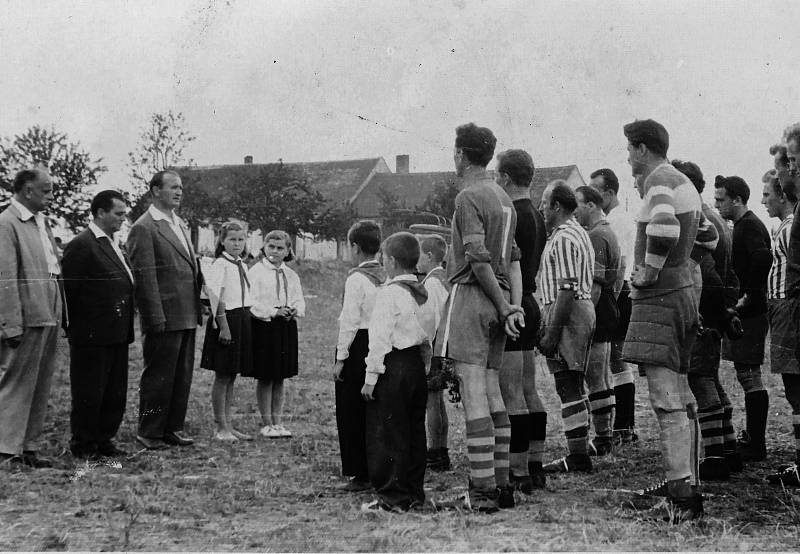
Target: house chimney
[
  {"x": 248, "y": 160},
  {"x": 402, "y": 161}
]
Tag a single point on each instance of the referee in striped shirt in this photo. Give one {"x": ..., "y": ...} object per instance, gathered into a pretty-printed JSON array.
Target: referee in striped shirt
[{"x": 565, "y": 279}]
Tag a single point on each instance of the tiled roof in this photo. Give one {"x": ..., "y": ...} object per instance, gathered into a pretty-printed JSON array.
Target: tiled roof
[
  {"x": 337, "y": 180},
  {"x": 412, "y": 189}
]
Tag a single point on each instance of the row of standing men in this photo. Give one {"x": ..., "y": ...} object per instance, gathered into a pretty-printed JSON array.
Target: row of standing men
[{"x": 663, "y": 303}]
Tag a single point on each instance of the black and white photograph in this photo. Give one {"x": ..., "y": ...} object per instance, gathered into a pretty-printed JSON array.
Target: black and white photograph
[{"x": 399, "y": 276}]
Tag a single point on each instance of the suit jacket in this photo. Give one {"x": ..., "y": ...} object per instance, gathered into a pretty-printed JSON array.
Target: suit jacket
[
  {"x": 99, "y": 293},
  {"x": 168, "y": 279},
  {"x": 24, "y": 276}
]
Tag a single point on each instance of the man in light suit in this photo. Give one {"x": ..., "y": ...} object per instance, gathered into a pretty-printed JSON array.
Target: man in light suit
[
  {"x": 98, "y": 282},
  {"x": 30, "y": 313},
  {"x": 168, "y": 282}
]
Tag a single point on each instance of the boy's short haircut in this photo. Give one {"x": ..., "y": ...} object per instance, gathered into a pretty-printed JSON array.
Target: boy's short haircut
[
  {"x": 367, "y": 235},
  {"x": 404, "y": 248},
  {"x": 434, "y": 245},
  {"x": 518, "y": 165}
]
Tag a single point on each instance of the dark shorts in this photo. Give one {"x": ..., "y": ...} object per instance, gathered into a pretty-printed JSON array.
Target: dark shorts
[
  {"x": 749, "y": 349},
  {"x": 784, "y": 333},
  {"x": 529, "y": 338},
  {"x": 471, "y": 331},
  {"x": 706, "y": 354},
  {"x": 624, "y": 306}
]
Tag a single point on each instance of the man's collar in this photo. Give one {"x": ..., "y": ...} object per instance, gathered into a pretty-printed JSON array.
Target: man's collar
[
  {"x": 403, "y": 277},
  {"x": 438, "y": 267},
  {"x": 372, "y": 261},
  {"x": 601, "y": 221},
  {"x": 98, "y": 232},
  {"x": 158, "y": 215},
  {"x": 24, "y": 213}
]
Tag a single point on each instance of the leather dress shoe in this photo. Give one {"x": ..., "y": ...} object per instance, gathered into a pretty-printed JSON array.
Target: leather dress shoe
[
  {"x": 151, "y": 444},
  {"x": 178, "y": 438}
]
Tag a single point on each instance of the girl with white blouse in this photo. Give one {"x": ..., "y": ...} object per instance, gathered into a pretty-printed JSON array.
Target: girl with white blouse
[{"x": 277, "y": 303}]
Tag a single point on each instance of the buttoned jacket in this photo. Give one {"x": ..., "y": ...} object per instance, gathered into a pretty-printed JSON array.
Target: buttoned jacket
[
  {"x": 168, "y": 278},
  {"x": 99, "y": 292},
  {"x": 25, "y": 279}
]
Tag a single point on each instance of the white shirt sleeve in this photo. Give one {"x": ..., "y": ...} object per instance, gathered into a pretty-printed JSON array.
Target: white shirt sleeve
[
  {"x": 350, "y": 318},
  {"x": 214, "y": 280},
  {"x": 381, "y": 327}
]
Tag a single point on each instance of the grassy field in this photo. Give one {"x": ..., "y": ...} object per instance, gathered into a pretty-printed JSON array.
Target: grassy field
[{"x": 282, "y": 495}]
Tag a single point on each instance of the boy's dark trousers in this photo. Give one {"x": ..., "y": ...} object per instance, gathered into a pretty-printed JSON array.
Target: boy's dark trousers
[
  {"x": 351, "y": 410},
  {"x": 396, "y": 443}
]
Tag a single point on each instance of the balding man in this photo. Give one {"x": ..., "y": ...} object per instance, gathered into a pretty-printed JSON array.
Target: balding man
[{"x": 30, "y": 313}]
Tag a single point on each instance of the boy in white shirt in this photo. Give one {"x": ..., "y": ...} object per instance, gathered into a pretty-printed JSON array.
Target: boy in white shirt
[
  {"x": 351, "y": 350},
  {"x": 433, "y": 249},
  {"x": 395, "y": 387}
]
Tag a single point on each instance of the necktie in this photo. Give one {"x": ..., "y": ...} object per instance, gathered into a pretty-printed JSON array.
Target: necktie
[
  {"x": 243, "y": 280},
  {"x": 278, "y": 274}
]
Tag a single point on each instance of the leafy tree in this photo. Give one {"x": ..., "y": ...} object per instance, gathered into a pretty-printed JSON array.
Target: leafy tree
[
  {"x": 389, "y": 201},
  {"x": 269, "y": 198},
  {"x": 71, "y": 168},
  {"x": 161, "y": 146},
  {"x": 442, "y": 201},
  {"x": 333, "y": 223}
]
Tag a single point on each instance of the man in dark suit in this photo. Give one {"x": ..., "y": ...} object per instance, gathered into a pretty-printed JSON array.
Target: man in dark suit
[
  {"x": 168, "y": 282},
  {"x": 98, "y": 283}
]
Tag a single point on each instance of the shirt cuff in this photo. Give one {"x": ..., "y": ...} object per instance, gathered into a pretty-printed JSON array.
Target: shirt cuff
[{"x": 371, "y": 378}]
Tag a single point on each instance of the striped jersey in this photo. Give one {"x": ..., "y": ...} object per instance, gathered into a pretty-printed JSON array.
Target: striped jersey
[
  {"x": 666, "y": 229},
  {"x": 568, "y": 258},
  {"x": 776, "y": 284}
]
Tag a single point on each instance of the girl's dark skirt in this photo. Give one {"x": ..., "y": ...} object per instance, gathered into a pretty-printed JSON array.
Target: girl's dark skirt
[
  {"x": 233, "y": 358},
  {"x": 274, "y": 349}
]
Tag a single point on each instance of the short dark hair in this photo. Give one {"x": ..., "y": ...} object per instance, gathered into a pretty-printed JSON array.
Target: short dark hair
[
  {"x": 692, "y": 171},
  {"x": 734, "y": 186},
  {"x": 518, "y": 165},
  {"x": 590, "y": 194},
  {"x": 781, "y": 153},
  {"x": 24, "y": 177},
  {"x": 610, "y": 180},
  {"x": 404, "y": 248},
  {"x": 650, "y": 133},
  {"x": 434, "y": 245},
  {"x": 367, "y": 235},
  {"x": 158, "y": 179},
  {"x": 564, "y": 195},
  {"x": 104, "y": 200},
  {"x": 477, "y": 143}
]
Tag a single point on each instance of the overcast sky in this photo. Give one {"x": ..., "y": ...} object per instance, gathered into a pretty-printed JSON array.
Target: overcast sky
[{"x": 307, "y": 81}]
